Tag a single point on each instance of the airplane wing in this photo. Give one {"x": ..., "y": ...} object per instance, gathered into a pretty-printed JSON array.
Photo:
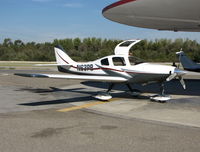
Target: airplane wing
[
  {"x": 173, "y": 15},
  {"x": 76, "y": 77}
]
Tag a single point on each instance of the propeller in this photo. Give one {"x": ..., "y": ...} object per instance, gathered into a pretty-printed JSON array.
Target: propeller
[{"x": 178, "y": 74}]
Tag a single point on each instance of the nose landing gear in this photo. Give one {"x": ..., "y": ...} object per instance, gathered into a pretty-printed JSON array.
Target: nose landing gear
[{"x": 162, "y": 97}]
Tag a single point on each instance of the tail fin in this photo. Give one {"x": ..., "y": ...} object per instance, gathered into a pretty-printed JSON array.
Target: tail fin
[
  {"x": 185, "y": 61},
  {"x": 61, "y": 57}
]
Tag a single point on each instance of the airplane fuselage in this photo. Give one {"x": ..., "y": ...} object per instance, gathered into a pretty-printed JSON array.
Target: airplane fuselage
[{"x": 119, "y": 65}]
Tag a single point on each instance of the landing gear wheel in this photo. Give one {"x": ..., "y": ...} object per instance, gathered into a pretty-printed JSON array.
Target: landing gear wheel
[
  {"x": 103, "y": 96},
  {"x": 160, "y": 98}
]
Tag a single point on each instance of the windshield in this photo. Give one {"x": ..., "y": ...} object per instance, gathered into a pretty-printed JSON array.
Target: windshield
[{"x": 134, "y": 60}]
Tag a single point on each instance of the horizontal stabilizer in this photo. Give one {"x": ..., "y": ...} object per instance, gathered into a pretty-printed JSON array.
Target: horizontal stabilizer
[{"x": 76, "y": 77}]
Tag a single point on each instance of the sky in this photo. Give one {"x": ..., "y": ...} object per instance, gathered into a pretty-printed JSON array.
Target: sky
[{"x": 46, "y": 20}]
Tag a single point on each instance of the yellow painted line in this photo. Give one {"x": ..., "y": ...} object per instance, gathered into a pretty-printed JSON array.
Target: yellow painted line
[{"x": 87, "y": 105}]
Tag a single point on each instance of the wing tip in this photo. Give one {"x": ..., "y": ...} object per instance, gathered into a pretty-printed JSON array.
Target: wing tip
[{"x": 30, "y": 75}]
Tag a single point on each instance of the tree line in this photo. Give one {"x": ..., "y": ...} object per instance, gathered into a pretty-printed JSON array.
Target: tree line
[{"x": 159, "y": 50}]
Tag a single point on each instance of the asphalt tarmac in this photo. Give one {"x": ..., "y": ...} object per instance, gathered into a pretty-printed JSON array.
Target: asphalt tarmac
[{"x": 61, "y": 115}]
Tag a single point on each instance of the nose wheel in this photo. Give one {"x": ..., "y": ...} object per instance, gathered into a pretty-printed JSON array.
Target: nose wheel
[{"x": 162, "y": 97}]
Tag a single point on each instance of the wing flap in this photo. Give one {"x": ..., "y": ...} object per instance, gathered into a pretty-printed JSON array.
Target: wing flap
[{"x": 76, "y": 77}]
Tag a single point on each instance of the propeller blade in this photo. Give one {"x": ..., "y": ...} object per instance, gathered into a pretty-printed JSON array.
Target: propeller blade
[
  {"x": 182, "y": 82},
  {"x": 172, "y": 76}
]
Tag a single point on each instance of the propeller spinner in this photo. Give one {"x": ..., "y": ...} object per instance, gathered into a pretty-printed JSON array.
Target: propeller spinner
[{"x": 178, "y": 74}]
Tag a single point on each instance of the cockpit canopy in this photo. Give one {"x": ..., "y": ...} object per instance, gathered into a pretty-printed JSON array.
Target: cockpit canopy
[
  {"x": 121, "y": 57},
  {"x": 120, "y": 61},
  {"x": 124, "y": 47}
]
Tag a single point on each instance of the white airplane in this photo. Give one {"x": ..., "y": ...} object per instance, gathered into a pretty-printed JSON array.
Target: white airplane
[
  {"x": 118, "y": 68},
  {"x": 174, "y": 15}
]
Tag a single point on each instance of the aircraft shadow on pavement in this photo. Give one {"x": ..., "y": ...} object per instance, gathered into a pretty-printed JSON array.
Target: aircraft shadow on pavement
[
  {"x": 48, "y": 90},
  {"x": 173, "y": 87},
  {"x": 59, "y": 101},
  {"x": 77, "y": 99}
]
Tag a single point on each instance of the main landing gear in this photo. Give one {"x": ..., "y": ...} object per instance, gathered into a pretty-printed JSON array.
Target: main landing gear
[
  {"x": 162, "y": 97},
  {"x": 105, "y": 96}
]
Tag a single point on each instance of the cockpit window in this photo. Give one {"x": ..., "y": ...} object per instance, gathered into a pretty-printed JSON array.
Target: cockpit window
[
  {"x": 118, "y": 61},
  {"x": 104, "y": 61},
  {"x": 127, "y": 43},
  {"x": 134, "y": 60}
]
